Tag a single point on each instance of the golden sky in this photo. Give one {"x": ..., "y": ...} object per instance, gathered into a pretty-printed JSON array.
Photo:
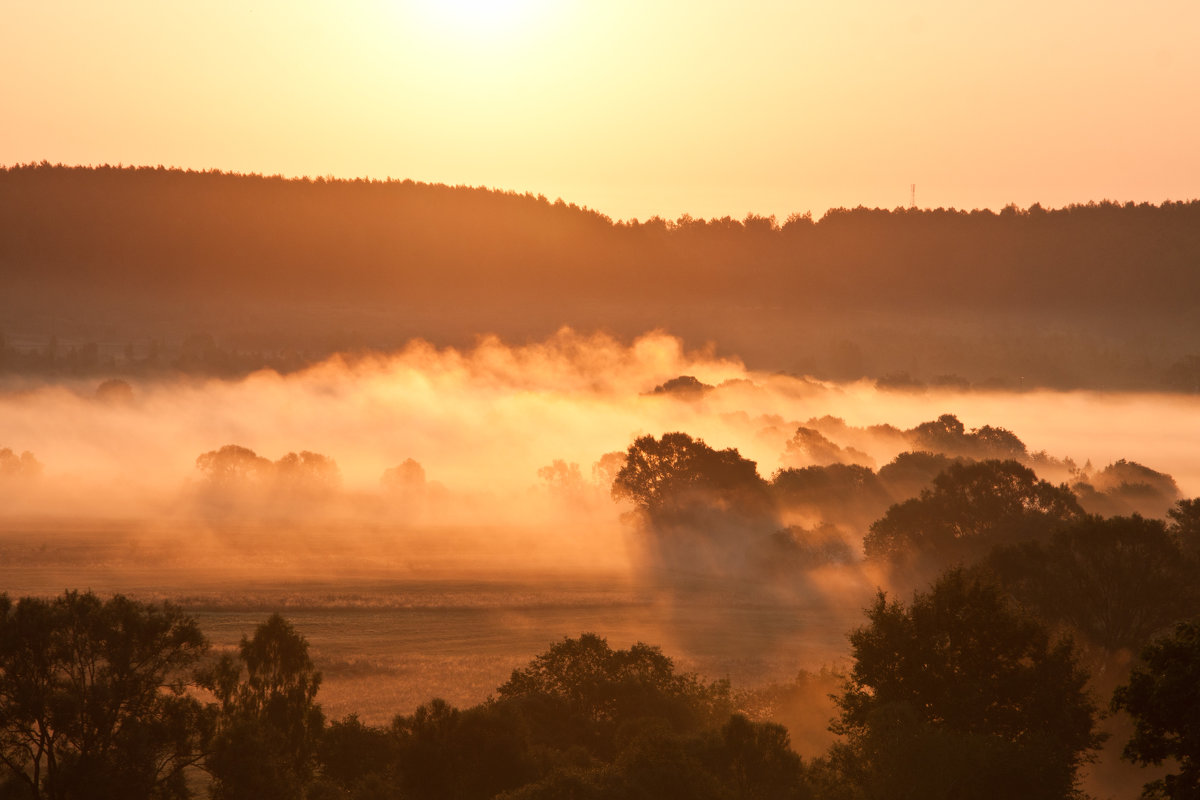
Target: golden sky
[{"x": 631, "y": 107}]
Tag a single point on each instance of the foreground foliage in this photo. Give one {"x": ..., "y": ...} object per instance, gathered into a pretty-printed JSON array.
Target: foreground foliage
[
  {"x": 1163, "y": 696},
  {"x": 269, "y": 723},
  {"x": 92, "y": 698},
  {"x": 961, "y": 694},
  {"x": 1117, "y": 582}
]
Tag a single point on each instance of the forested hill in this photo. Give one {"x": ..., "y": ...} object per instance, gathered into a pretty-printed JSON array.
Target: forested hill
[
  {"x": 461, "y": 260},
  {"x": 154, "y": 226}
]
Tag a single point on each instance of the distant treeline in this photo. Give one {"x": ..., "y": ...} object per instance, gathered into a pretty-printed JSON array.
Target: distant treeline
[
  {"x": 463, "y": 260},
  {"x": 168, "y": 227}
]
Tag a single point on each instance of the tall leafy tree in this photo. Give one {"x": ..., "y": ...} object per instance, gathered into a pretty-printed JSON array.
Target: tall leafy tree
[
  {"x": 270, "y": 723},
  {"x": 961, "y": 694},
  {"x": 605, "y": 686},
  {"x": 670, "y": 473},
  {"x": 699, "y": 508},
  {"x": 93, "y": 697}
]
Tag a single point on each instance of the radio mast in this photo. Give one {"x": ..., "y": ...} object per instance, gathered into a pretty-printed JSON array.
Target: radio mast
[{"x": 912, "y": 196}]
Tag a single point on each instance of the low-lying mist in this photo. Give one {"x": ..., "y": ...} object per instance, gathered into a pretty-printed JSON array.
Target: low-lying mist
[
  {"x": 497, "y": 435},
  {"x": 496, "y": 459}
]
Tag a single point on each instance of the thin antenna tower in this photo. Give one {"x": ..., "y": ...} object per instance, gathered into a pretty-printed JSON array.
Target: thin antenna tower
[{"x": 912, "y": 196}]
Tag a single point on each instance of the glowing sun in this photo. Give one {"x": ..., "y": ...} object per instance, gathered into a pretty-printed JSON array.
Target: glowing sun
[{"x": 485, "y": 17}]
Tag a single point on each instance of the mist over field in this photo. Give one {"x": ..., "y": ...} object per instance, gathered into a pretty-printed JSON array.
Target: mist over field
[{"x": 503, "y": 435}]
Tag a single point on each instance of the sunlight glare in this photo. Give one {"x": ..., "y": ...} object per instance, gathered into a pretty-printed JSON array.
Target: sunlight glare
[{"x": 484, "y": 18}]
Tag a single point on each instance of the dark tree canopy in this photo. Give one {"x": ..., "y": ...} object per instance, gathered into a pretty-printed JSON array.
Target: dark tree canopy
[
  {"x": 1184, "y": 526},
  {"x": 971, "y": 508},
  {"x": 686, "y": 387},
  {"x": 849, "y": 493},
  {"x": 232, "y": 465},
  {"x": 666, "y": 475},
  {"x": 580, "y": 720},
  {"x": 949, "y": 436},
  {"x": 93, "y": 700},
  {"x": 1116, "y": 581},
  {"x": 910, "y": 472},
  {"x": 655, "y": 732},
  {"x": 1163, "y": 697},
  {"x": 961, "y": 694},
  {"x": 467, "y": 754},
  {"x": 604, "y": 686},
  {"x": 270, "y": 723}
]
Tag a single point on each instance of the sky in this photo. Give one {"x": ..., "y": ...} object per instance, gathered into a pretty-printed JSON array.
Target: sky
[{"x": 653, "y": 107}]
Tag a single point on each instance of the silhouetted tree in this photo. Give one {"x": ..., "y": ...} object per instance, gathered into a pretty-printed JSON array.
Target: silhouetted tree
[
  {"x": 623, "y": 723},
  {"x": 741, "y": 759},
  {"x": 1163, "y": 696},
  {"x": 93, "y": 697},
  {"x": 961, "y": 694},
  {"x": 687, "y": 387},
  {"x": 269, "y": 724},
  {"x": 307, "y": 474},
  {"x": 909, "y": 473},
  {"x": 591, "y": 689},
  {"x": 971, "y": 508},
  {"x": 1184, "y": 526},
  {"x": 699, "y": 510},
  {"x": 358, "y": 761},
  {"x": 595, "y": 782},
  {"x": 236, "y": 476},
  {"x": 657, "y": 761},
  {"x": 943, "y": 435},
  {"x": 664, "y": 475},
  {"x": 838, "y": 493},
  {"x": 948, "y": 435},
  {"x": 1116, "y": 581},
  {"x": 233, "y": 465},
  {"x": 463, "y": 754},
  {"x": 756, "y": 761}
]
